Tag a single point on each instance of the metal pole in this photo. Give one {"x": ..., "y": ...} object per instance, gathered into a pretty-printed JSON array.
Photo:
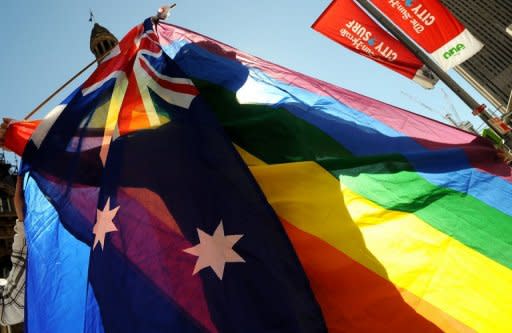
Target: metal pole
[
  {"x": 43, "y": 103},
  {"x": 477, "y": 108}
]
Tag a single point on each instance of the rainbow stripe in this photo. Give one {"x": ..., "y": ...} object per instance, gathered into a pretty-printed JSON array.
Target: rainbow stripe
[{"x": 400, "y": 222}]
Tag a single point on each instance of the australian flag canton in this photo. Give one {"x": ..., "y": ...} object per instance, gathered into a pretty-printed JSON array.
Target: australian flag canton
[{"x": 161, "y": 227}]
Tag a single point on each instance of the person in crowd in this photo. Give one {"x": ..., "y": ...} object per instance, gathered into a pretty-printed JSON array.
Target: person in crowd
[{"x": 12, "y": 289}]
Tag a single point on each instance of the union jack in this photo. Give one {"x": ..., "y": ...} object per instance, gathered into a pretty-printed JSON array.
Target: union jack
[{"x": 137, "y": 65}]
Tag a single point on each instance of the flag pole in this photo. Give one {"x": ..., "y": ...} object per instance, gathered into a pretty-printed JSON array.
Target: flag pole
[
  {"x": 52, "y": 95},
  {"x": 163, "y": 13},
  {"x": 502, "y": 129}
]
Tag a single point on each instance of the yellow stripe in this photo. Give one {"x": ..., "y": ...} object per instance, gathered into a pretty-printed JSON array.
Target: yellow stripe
[
  {"x": 464, "y": 283},
  {"x": 398, "y": 246},
  {"x": 249, "y": 159},
  {"x": 116, "y": 101}
]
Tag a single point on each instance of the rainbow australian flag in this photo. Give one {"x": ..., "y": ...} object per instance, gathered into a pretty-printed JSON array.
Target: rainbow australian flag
[{"x": 190, "y": 187}]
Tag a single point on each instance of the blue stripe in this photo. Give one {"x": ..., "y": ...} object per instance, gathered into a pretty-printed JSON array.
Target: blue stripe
[
  {"x": 358, "y": 132},
  {"x": 57, "y": 269}
]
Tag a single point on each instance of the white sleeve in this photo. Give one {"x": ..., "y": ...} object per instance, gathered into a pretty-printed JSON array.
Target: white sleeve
[{"x": 12, "y": 294}]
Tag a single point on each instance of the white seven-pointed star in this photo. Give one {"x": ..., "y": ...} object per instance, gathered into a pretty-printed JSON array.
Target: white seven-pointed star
[
  {"x": 104, "y": 224},
  {"x": 215, "y": 251}
]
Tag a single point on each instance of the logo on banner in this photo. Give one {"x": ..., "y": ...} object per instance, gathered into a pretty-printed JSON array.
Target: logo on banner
[
  {"x": 433, "y": 27},
  {"x": 362, "y": 39},
  {"x": 418, "y": 16},
  {"x": 454, "y": 51}
]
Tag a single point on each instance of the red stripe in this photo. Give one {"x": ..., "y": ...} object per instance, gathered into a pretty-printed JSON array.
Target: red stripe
[
  {"x": 150, "y": 44},
  {"x": 177, "y": 87},
  {"x": 120, "y": 62},
  {"x": 353, "y": 298}
]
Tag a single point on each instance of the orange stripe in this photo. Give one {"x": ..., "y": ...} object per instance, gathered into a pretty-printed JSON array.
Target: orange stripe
[
  {"x": 355, "y": 299},
  {"x": 18, "y": 134}
]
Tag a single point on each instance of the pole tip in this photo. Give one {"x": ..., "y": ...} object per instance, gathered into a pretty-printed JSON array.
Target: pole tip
[{"x": 164, "y": 12}]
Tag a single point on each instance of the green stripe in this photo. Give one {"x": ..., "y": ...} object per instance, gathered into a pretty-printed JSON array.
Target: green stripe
[{"x": 277, "y": 136}]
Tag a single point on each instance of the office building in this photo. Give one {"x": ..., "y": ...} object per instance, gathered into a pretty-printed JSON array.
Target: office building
[{"x": 490, "y": 70}]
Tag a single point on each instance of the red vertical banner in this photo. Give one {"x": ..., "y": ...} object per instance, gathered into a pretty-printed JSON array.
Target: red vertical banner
[
  {"x": 433, "y": 27},
  {"x": 347, "y": 24}
]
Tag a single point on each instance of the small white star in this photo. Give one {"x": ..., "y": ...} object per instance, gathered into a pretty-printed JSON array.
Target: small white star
[
  {"x": 215, "y": 251},
  {"x": 104, "y": 224}
]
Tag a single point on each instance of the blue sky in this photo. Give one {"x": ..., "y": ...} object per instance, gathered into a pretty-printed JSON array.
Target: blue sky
[{"x": 45, "y": 43}]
